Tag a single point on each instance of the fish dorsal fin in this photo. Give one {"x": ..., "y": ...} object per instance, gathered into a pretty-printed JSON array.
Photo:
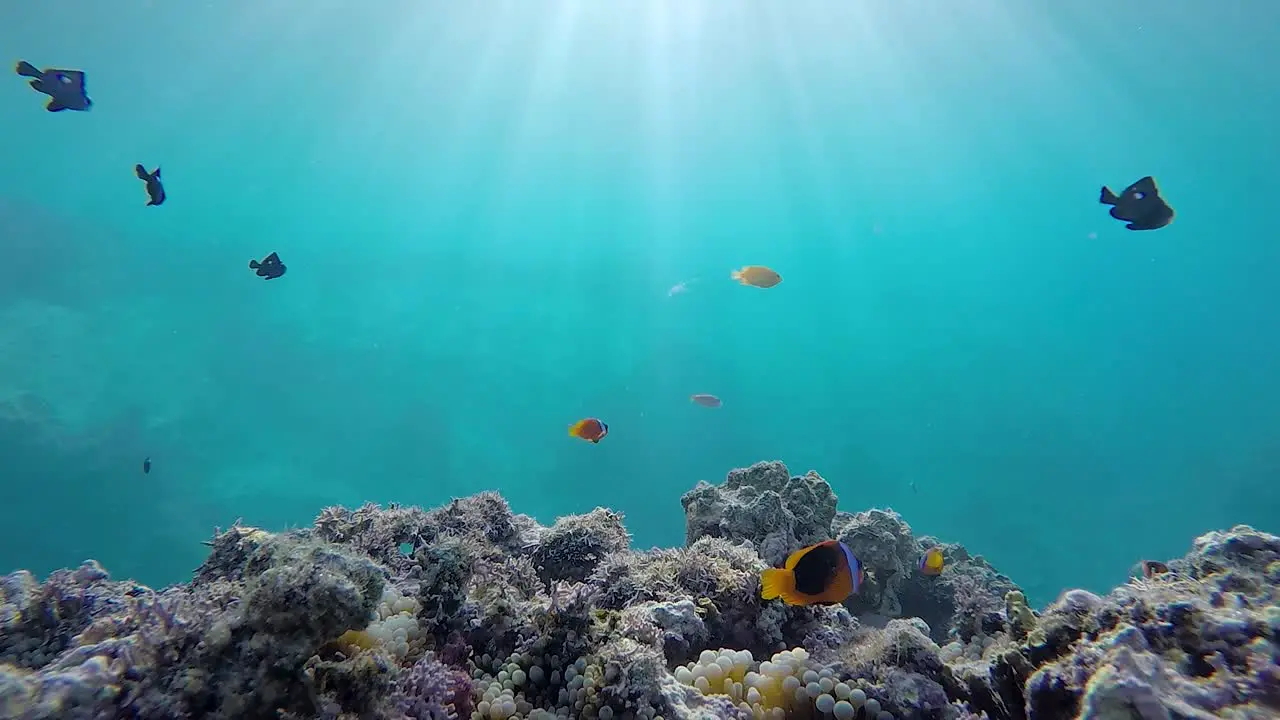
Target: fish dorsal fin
[
  {"x": 1146, "y": 186},
  {"x": 794, "y": 558},
  {"x": 156, "y": 174}
]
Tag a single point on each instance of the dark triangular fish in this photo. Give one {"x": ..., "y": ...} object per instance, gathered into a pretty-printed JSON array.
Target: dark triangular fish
[
  {"x": 1140, "y": 205},
  {"x": 155, "y": 190},
  {"x": 270, "y": 267},
  {"x": 65, "y": 88}
]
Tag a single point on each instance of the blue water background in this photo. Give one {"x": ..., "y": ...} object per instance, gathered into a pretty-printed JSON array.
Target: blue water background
[{"x": 482, "y": 207}]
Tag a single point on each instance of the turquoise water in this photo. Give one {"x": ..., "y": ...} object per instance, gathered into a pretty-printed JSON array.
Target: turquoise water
[{"x": 483, "y": 207}]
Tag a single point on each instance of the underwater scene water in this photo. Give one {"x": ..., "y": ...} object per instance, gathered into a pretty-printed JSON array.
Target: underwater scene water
[{"x": 499, "y": 218}]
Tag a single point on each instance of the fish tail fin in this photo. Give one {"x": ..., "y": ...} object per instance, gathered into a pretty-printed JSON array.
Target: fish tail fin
[
  {"x": 254, "y": 264},
  {"x": 575, "y": 430},
  {"x": 778, "y": 583},
  {"x": 737, "y": 275},
  {"x": 1107, "y": 197},
  {"x": 26, "y": 69},
  {"x": 141, "y": 172}
]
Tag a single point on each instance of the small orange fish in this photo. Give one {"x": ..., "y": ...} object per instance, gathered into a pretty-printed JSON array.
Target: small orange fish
[
  {"x": 1151, "y": 568},
  {"x": 823, "y": 573},
  {"x": 756, "y": 276},
  {"x": 931, "y": 562},
  {"x": 592, "y": 430}
]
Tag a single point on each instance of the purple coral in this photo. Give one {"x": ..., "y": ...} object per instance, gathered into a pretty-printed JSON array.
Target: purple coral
[{"x": 431, "y": 690}]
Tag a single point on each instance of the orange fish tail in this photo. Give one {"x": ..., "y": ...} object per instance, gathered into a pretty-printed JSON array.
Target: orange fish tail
[
  {"x": 737, "y": 275},
  {"x": 779, "y": 583}
]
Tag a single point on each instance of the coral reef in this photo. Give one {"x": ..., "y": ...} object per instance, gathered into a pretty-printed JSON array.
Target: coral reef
[{"x": 471, "y": 611}]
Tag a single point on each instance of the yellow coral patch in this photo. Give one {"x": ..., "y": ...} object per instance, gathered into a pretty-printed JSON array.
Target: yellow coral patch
[{"x": 356, "y": 640}]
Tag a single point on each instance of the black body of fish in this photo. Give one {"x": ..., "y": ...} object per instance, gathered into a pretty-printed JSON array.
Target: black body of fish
[
  {"x": 155, "y": 190},
  {"x": 270, "y": 267},
  {"x": 65, "y": 88},
  {"x": 146, "y": 466},
  {"x": 1140, "y": 205}
]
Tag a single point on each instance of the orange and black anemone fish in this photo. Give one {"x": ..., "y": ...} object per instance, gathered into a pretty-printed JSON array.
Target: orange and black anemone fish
[
  {"x": 823, "y": 573},
  {"x": 1151, "y": 568},
  {"x": 591, "y": 429}
]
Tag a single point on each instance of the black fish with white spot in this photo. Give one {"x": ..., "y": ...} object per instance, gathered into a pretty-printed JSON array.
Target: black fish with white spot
[
  {"x": 269, "y": 267},
  {"x": 65, "y": 88},
  {"x": 1140, "y": 205}
]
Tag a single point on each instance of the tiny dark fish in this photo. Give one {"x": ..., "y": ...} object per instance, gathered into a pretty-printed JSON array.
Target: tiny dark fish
[
  {"x": 146, "y": 466},
  {"x": 1140, "y": 205},
  {"x": 270, "y": 267},
  {"x": 65, "y": 88},
  {"x": 1151, "y": 568},
  {"x": 155, "y": 190}
]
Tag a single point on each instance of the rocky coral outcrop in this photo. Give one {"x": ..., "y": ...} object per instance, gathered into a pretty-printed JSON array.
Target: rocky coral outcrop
[
  {"x": 81, "y": 645},
  {"x": 765, "y": 505},
  {"x": 776, "y": 513},
  {"x": 473, "y": 611},
  {"x": 1202, "y": 641}
]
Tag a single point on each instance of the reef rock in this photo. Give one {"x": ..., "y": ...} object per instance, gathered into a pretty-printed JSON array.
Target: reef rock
[
  {"x": 765, "y": 505},
  {"x": 1202, "y": 641},
  {"x": 473, "y": 611}
]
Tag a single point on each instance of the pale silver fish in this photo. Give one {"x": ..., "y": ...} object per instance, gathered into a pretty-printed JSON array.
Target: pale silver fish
[{"x": 705, "y": 400}]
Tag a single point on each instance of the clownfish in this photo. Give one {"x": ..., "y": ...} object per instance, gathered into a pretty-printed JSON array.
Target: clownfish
[
  {"x": 591, "y": 429},
  {"x": 1151, "y": 568},
  {"x": 823, "y": 573},
  {"x": 931, "y": 562}
]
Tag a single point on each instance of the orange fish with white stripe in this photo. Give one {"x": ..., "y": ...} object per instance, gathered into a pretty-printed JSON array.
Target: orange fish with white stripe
[{"x": 592, "y": 430}]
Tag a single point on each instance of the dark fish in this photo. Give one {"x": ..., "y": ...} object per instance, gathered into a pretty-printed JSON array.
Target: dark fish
[
  {"x": 823, "y": 573},
  {"x": 146, "y": 466},
  {"x": 270, "y": 267},
  {"x": 705, "y": 400},
  {"x": 154, "y": 189},
  {"x": 65, "y": 88},
  {"x": 1151, "y": 568},
  {"x": 1140, "y": 205}
]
